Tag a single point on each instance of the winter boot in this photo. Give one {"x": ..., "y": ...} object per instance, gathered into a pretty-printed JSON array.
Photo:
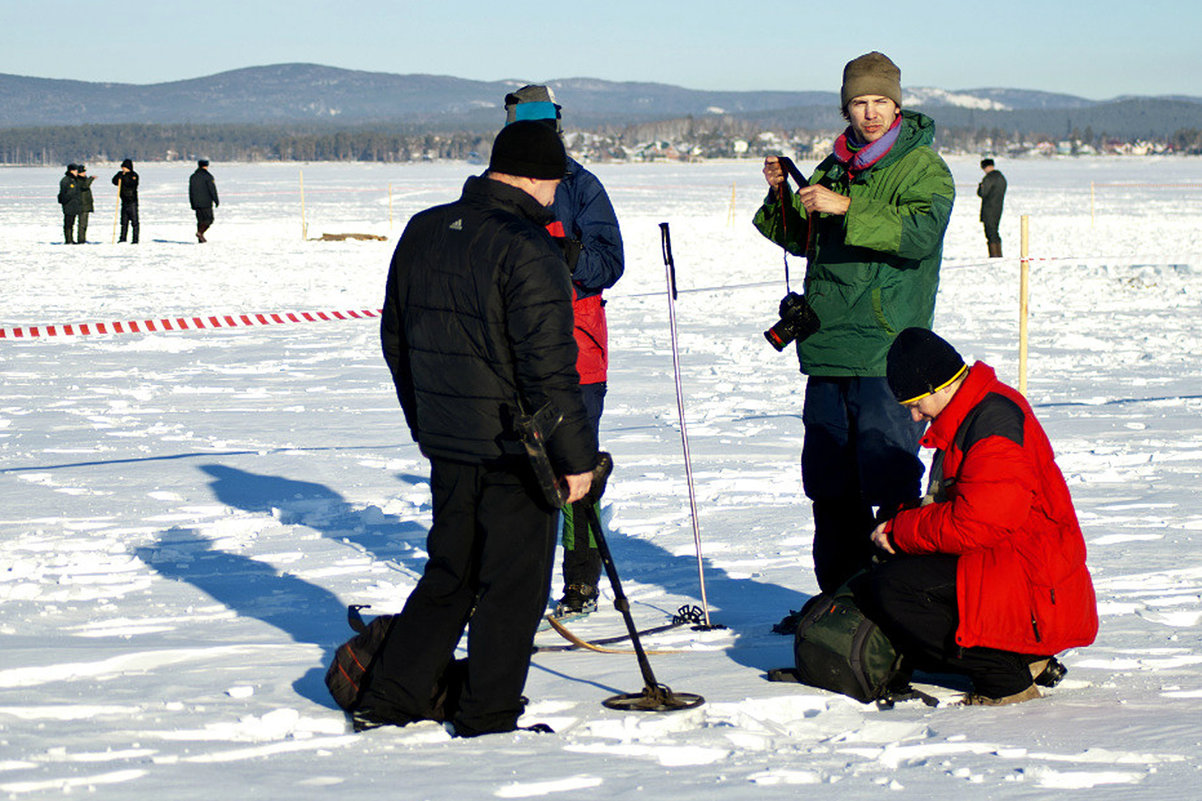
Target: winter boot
[
  {"x": 1048, "y": 672},
  {"x": 974, "y": 699},
  {"x": 995, "y": 250},
  {"x": 577, "y": 599}
]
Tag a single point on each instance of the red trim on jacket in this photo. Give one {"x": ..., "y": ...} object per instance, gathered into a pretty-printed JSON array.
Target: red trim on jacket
[
  {"x": 591, "y": 330},
  {"x": 1022, "y": 583},
  {"x": 592, "y": 338}
]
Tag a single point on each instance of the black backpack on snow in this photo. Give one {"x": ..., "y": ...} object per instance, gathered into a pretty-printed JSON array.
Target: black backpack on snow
[
  {"x": 354, "y": 659},
  {"x": 351, "y": 669}
]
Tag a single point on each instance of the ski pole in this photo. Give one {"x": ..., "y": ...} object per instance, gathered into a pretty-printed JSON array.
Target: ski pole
[{"x": 670, "y": 267}]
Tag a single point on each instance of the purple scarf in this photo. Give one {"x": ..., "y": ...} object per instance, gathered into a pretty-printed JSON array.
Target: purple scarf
[{"x": 857, "y": 156}]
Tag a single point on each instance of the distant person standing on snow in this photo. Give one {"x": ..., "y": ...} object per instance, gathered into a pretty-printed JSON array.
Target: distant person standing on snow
[
  {"x": 68, "y": 198},
  {"x": 202, "y": 193},
  {"x": 587, "y": 229},
  {"x": 992, "y": 192},
  {"x": 875, "y": 212},
  {"x": 126, "y": 182},
  {"x": 83, "y": 184}
]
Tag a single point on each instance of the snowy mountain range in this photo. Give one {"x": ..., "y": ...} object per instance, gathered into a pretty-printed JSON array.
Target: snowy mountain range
[{"x": 311, "y": 93}]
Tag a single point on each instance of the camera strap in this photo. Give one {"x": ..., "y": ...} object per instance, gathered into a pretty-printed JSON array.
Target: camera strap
[{"x": 791, "y": 171}]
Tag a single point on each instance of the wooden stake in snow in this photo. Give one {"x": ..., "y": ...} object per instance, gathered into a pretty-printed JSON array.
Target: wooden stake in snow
[
  {"x": 304, "y": 225},
  {"x": 1024, "y": 271}
]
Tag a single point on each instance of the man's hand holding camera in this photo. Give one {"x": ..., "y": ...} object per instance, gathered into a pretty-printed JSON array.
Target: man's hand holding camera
[
  {"x": 774, "y": 174},
  {"x": 815, "y": 199}
]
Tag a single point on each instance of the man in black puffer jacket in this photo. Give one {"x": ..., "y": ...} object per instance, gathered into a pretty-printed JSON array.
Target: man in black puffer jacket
[{"x": 477, "y": 327}]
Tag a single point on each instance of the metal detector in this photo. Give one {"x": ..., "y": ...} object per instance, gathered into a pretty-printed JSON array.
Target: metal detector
[
  {"x": 534, "y": 431},
  {"x": 655, "y": 697}
]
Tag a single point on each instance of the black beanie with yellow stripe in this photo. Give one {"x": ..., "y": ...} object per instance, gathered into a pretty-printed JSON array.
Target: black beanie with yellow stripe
[{"x": 921, "y": 363}]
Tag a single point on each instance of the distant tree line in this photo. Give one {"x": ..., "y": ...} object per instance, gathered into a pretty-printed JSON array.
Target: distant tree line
[
  {"x": 143, "y": 142},
  {"x": 702, "y": 137},
  {"x": 1187, "y": 140}
]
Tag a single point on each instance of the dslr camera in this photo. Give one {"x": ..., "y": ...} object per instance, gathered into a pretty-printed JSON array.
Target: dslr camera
[{"x": 797, "y": 321}]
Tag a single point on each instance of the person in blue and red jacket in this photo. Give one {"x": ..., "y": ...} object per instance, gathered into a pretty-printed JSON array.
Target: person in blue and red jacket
[
  {"x": 986, "y": 575},
  {"x": 587, "y": 230}
]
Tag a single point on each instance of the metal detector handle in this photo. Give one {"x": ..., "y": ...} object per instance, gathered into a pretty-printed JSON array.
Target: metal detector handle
[
  {"x": 605, "y": 466},
  {"x": 534, "y": 431},
  {"x": 666, "y": 242}
]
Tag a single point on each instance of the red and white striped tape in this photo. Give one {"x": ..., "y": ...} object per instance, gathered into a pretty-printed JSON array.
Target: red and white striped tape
[{"x": 184, "y": 323}]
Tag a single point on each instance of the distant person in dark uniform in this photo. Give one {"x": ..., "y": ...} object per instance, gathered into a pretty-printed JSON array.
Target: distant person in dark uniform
[
  {"x": 68, "y": 198},
  {"x": 202, "y": 193},
  {"x": 992, "y": 192},
  {"x": 126, "y": 182},
  {"x": 83, "y": 185}
]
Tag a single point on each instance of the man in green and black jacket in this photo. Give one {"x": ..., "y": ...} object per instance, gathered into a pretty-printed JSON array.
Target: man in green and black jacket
[{"x": 871, "y": 223}]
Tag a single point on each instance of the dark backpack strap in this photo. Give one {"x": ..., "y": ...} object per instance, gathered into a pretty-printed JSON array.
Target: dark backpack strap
[
  {"x": 786, "y": 674},
  {"x": 354, "y": 619},
  {"x": 906, "y": 694}
]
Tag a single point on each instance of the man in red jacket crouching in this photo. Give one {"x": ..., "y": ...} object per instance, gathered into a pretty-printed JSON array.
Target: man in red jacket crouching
[{"x": 986, "y": 575}]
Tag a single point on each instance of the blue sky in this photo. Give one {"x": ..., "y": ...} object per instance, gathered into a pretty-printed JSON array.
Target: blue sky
[{"x": 1097, "y": 49}]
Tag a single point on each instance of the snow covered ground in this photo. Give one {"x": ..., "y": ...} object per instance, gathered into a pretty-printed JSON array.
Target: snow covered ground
[{"x": 185, "y": 515}]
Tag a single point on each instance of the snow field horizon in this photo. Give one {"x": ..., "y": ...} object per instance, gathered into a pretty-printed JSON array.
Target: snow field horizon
[{"x": 187, "y": 514}]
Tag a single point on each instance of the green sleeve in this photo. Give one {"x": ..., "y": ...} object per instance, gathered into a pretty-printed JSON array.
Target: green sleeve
[
  {"x": 911, "y": 224},
  {"x": 789, "y": 230}
]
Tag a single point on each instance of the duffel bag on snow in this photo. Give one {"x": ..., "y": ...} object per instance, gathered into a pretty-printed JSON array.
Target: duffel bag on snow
[
  {"x": 354, "y": 658},
  {"x": 351, "y": 669},
  {"x": 837, "y": 648}
]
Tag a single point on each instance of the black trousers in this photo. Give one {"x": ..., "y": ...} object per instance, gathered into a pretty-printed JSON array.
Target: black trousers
[
  {"x": 204, "y": 219},
  {"x": 69, "y": 227},
  {"x": 129, "y": 217},
  {"x": 490, "y": 551},
  {"x": 991, "y": 232},
  {"x": 860, "y": 451},
  {"x": 913, "y": 599}
]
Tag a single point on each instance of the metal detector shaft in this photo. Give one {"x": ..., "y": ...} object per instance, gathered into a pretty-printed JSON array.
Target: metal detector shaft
[
  {"x": 670, "y": 267},
  {"x": 621, "y": 603}
]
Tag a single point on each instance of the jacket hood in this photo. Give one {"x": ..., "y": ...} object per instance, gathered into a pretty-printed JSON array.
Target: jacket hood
[{"x": 917, "y": 130}]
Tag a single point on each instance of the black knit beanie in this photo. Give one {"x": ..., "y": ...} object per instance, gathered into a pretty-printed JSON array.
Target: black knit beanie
[
  {"x": 528, "y": 149},
  {"x": 128, "y": 163},
  {"x": 921, "y": 363}
]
